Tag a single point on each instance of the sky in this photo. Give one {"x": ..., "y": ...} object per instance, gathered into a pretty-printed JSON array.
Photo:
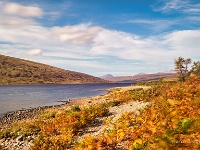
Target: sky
[{"x": 98, "y": 37}]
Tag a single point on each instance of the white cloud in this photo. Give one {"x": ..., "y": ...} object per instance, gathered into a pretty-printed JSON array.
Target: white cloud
[
  {"x": 26, "y": 11},
  {"x": 153, "y": 24},
  {"x": 194, "y": 18},
  {"x": 121, "y": 45},
  {"x": 9, "y": 21},
  {"x": 173, "y": 4},
  {"x": 193, "y": 9},
  {"x": 78, "y": 34},
  {"x": 185, "y": 42},
  {"x": 103, "y": 44},
  {"x": 73, "y": 63},
  {"x": 184, "y": 6},
  {"x": 162, "y": 48},
  {"x": 28, "y": 34},
  {"x": 34, "y": 52},
  {"x": 168, "y": 5}
]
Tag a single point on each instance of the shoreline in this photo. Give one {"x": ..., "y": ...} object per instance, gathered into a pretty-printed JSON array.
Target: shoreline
[
  {"x": 6, "y": 119},
  {"x": 13, "y": 84}
]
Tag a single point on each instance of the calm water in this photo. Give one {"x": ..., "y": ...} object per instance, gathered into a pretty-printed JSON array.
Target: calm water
[{"x": 16, "y": 97}]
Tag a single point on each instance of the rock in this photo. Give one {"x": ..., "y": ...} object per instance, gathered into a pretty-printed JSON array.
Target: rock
[
  {"x": 20, "y": 138},
  {"x": 20, "y": 143}
]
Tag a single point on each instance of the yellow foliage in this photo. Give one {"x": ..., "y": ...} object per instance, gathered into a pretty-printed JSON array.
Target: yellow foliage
[
  {"x": 138, "y": 141},
  {"x": 120, "y": 134},
  {"x": 172, "y": 102}
]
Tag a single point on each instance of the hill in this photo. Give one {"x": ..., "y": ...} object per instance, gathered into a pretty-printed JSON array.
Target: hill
[
  {"x": 140, "y": 77},
  {"x": 107, "y": 76},
  {"x": 19, "y": 71}
]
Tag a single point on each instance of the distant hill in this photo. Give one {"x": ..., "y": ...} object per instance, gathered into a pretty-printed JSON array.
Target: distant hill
[
  {"x": 19, "y": 71},
  {"x": 107, "y": 76},
  {"x": 140, "y": 77}
]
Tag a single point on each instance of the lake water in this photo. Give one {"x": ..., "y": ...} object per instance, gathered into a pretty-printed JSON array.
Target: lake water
[{"x": 16, "y": 97}]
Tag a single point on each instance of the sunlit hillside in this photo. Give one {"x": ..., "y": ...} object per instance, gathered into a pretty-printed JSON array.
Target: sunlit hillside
[{"x": 19, "y": 71}]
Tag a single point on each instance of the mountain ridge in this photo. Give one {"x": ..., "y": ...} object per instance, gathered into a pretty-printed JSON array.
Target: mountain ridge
[
  {"x": 107, "y": 76},
  {"x": 19, "y": 71},
  {"x": 141, "y": 77}
]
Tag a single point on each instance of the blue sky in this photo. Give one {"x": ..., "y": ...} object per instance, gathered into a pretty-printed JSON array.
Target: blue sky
[{"x": 119, "y": 37}]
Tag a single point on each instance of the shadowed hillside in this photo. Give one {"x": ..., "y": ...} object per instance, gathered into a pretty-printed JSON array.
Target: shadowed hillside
[{"x": 19, "y": 71}]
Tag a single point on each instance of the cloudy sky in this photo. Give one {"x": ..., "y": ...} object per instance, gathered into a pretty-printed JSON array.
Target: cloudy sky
[{"x": 97, "y": 37}]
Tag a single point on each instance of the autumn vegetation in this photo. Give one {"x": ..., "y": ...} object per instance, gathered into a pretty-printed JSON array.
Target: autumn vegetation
[{"x": 171, "y": 121}]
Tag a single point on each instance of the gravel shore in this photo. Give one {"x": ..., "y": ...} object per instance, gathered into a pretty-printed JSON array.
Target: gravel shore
[{"x": 14, "y": 116}]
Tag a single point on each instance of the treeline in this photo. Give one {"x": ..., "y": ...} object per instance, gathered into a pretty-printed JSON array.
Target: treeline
[{"x": 185, "y": 69}]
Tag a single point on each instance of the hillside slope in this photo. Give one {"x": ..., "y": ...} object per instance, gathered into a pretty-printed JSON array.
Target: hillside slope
[{"x": 19, "y": 71}]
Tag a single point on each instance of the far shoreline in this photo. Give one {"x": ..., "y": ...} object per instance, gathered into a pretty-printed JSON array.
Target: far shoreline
[{"x": 55, "y": 83}]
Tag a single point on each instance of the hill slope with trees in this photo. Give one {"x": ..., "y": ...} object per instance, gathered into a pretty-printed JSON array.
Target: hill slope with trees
[{"x": 19, "y": 71}]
